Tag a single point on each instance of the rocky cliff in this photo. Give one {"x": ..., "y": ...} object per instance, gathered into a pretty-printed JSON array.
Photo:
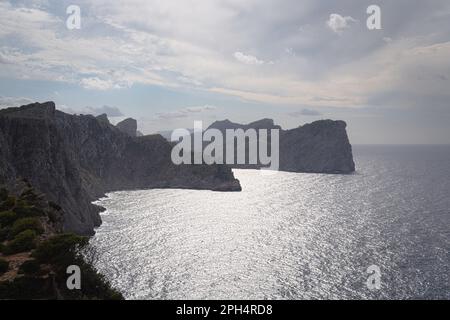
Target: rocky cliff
[
  {"x": 128, "y": 126},
  {"x": 77, "y": 159},
  {"x": 320, "y": 147}
]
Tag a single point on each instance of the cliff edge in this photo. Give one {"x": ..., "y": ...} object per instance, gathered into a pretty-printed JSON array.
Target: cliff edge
[
  {"x": 77, "y": 159},
  {"x": 319, "y": 147}
]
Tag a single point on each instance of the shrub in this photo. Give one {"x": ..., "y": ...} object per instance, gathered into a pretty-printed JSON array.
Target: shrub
[
  {"x": 7, "y": 218},
  {"x": 54, "y": 206},
  {"x": 30, "y": 267},
  {"x": 8, "y": 204},
  {"x": 22, "y": 203},
  {"x": 60, "y": 250},
  {"x": 30, "y": 211},
  {"x": 4, "y": 266},
  {"x": 26, "y": 224},
  {"x": 53, "y": 217},
  {"x": 95, "y": 285},
  {"x": 4, "y": 234},
  {"x": 3, "y": 194},
  {"x": 30, "y": 195},
  {"x": 26, "y": 288},
  {"x": 27, "y": 191},
  {"x": 24, "y": 241}
]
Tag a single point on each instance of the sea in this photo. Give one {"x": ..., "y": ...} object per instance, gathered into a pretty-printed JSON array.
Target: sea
[{"x": 380, "y": 233}]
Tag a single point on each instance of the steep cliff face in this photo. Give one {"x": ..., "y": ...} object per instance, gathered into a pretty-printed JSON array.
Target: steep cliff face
[
  {"x": 128, "y": 126},
  {"x": 76, "y": 159},
  {"x": 320, "y": 147}
]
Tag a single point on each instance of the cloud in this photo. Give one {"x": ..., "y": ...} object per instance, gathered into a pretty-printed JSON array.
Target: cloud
[
  {"x": 305, "y": 112},
  {"x": 184, "y": 113},
  {"x": 200, "y": 109},
  {"x": 96, "y": 83},
  {"x": 6, "y": 102},
  {"x": 95, "y": 111},
  {"x": 171, "y": 115},
  {"x": 183, "y": 46},
  {"x": 247, "y": 59},
  {"x": 338, "y": 23}
]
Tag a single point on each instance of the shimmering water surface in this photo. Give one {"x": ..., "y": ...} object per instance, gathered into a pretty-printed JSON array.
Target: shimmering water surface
[{"x": 288, "y": 236}]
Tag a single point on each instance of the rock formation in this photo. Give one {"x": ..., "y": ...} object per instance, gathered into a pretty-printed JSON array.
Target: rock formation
[
  {"x": 128, "y": 126},
  {"x": 77, "y": 159},
  {"x": 320, "y": 147}
]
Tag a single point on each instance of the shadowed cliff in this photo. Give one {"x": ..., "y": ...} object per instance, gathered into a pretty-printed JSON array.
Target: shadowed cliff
[
  {"x": 77, "y": 159},
  {"x": 320, "y": 147}
]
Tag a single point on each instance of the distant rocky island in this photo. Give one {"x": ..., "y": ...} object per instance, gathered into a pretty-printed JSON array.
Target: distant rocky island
[{"x": 319, "y": 147}]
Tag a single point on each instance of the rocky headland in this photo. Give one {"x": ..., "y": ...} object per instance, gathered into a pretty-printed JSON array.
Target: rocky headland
[
  {"x": 319, "y": 147},
  {"x": 76, "y": 159}
]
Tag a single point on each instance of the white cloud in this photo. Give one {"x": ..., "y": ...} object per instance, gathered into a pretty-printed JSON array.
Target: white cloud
[
  {"x": 247, "y": 59},
  {"x": 338, "y": 23},
  {"x": 6, "y": 102},
  {"x": 306, "y": 113},
  {"x": 95, "y": 111},
  {"x": 182, "y": 45},
  {"x": 201, "y": 108},
  {"x": 184, "y": 113},
  {"x": 96, "y": 83}
]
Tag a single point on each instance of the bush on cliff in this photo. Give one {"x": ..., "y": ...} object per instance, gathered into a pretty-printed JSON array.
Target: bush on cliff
[
  {"x": 24, "y": 241},
  {"x": 4, "y": 234},
  {"x": 4, "y": 266},
  {"x": 54, "y": 206},
  {"x": 26, "y": 224},
  {"x": 3, "y": 194},
  {"x": 26, "y": 288},
  {"x": 7, "y": 218},
  {"x": 62, "y": 251},
  {"x": 29, "y": 267},
  {"x": 29, "y": 211},
  {"x": 8, "y": 204}
]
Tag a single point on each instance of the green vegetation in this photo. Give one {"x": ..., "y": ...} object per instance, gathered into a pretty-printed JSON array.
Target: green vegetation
[
  {"x": 54, "y": 206},
  {"x": 24, "y": 241},
  {"x": 4, "y": 266},
  {"x": 3, "y": 194},
  {"x": 8, "y": 203},
  {"x": 30, "y": 267},
  {"x": 27, "y": 288},
  {"x": 26, "y": 224},
  {"x": 29, "y": 211},
  {"x": 4, "y": 234},
  {"x": 62, "y": 251},
  {"x": 22, "y": 222},
  {"x": 7, "y": 218}
]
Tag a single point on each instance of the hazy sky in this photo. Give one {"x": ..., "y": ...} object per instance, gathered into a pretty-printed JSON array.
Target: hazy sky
[{"x": 168, "y": 63}]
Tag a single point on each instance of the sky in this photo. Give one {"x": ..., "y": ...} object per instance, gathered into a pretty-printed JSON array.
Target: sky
[{"x": 167, "y": 63}]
